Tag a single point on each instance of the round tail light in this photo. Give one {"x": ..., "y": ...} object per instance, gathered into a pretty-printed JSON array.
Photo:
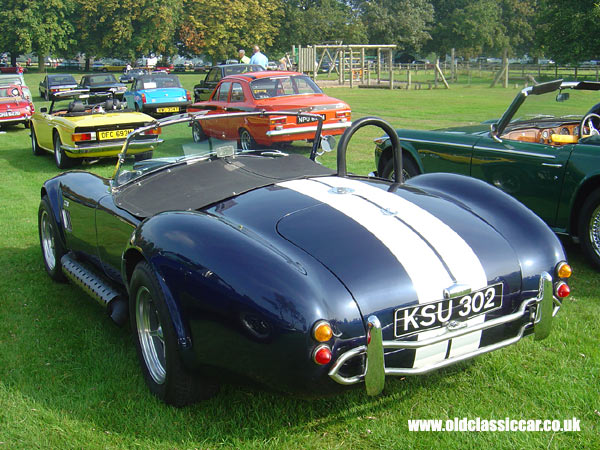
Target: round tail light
[
  {"x": 322, "y": 355},
  {"x": 562, "y": 290}
]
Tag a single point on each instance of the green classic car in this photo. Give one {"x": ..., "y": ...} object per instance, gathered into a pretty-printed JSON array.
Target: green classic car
[
  {"x": 544, "y": 151},
  {"x": 80, "y": 130}
]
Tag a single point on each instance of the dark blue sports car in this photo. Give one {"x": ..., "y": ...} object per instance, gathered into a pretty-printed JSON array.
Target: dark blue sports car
[{"x": 270, "y": 266}]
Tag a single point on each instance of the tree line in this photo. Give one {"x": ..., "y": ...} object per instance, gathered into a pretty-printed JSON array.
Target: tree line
[{"x": 217, "y": 28}]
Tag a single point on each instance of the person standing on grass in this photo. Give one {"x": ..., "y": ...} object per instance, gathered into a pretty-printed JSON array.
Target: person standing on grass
[
  {"x": 242, "y": 57},
  {"x": 259, "y": 58}
]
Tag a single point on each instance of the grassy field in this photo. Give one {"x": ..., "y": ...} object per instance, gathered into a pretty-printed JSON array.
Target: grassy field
[{"x": 69, "y": 378}]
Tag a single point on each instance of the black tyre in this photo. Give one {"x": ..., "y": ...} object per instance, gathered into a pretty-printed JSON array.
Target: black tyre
[
  {"x": 198, "y": 133},
  {"x": 50, "y": 241},
  {"x": 589, "y": 227},
  {"x": 26, "y": 124},
  {"x": 35, "y": 148},
  {"x": 409, "y": 169},
  {"x": 156, "y": 343},
  {"x": 247, "y": 142},
  {"x": 60, "y": 157}
]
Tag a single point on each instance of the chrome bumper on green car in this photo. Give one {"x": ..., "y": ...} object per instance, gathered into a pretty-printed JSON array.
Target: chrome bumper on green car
[{"x": 538, "y": 310}]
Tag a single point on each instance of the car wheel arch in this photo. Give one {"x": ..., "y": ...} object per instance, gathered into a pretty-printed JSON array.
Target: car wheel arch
[
  {"x": 407, "y": 152},
  {"x": 583, "y": 192},
  {"x": 131, "y": 258}
]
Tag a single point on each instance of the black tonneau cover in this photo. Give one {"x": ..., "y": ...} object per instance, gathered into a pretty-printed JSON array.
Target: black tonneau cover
[{"x": 199, "y": 184}]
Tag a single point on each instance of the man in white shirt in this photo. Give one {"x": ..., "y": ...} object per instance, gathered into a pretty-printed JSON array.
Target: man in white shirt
[{"x": 259, "y": 58}]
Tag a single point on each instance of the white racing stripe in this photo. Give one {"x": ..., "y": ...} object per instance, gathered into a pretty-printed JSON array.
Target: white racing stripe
[
  {"x": 410, "y": 251},
  {"x": 458, "y": 255},
  {"x": 424, "y": 267}
]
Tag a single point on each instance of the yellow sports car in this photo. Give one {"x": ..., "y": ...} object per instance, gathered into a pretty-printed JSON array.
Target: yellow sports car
[{"x": 78, "y": 130}]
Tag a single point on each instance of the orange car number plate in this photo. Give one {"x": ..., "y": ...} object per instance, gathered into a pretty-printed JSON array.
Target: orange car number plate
[
  {"x": 114, "y": 134},
  {"x": 167, "y": 109}
]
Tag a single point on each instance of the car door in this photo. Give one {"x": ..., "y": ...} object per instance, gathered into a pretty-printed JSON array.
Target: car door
[
  {"x": 129, "y": 94},
  {"x": 219, "y": 128},
  {"x": 531, "y": 172}
]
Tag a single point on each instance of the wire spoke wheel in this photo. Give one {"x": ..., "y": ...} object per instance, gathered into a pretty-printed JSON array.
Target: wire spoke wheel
[{"x": 594, "y": 230}]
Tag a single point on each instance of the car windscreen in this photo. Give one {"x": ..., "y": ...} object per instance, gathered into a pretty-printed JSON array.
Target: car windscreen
[
  {"x": 184, "y": 140},
  {"x": 61, "y": 79},
  {"x": 102, "y": 79},
  {"x": 161, "y": 81},
  {"x": 550, "y": 105},
  {"x": 281, "y": 86},
  {"x": 242, "y": 68}
]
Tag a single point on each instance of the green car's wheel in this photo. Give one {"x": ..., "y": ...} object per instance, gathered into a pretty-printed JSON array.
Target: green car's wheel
[
  {"x": 60, "y": 157},
  {"x": 156, "y": 343},
  {"x": 50, "y": 242},
  {"x": 409, "y": 169},
  {"x": 589, "y": 227}
]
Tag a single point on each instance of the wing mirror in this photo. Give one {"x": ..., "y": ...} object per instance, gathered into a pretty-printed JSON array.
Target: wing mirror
[
  {"x": 562, "y": 96},
  {"x": 327, "y": 144}
]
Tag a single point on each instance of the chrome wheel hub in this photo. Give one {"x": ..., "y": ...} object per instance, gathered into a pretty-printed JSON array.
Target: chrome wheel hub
[
  {"x": 245, "y": 140},
  {"x": 47, "y": 240},
  {"x": 150, "y": 335}
]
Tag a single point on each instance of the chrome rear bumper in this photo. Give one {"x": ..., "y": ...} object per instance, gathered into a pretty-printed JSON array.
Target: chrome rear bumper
[
  {"x": 538, "y": 310},
  {"x": 310, "y": 129}
]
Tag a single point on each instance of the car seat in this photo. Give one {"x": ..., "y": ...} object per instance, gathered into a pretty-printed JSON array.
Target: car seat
[{"x": 76, "y": 106}]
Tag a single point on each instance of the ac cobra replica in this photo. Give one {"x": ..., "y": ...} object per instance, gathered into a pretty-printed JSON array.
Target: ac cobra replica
[
  {"x": 544, "y": 151},
  {"x": 80, "y": 130},
  {"x": 268, "y": 265}
]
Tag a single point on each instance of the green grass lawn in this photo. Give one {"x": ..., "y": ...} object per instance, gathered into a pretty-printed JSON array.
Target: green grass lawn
[{"x": 69, "y": 378}]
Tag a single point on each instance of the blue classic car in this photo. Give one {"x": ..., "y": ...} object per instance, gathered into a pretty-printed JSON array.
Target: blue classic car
[
  {"x": 270, "y": 266},
  {"x": 158, "y": 94}
]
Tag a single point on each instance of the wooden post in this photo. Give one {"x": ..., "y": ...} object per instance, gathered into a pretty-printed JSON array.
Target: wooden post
[
  {"x": 506, "y": 68},
  {"x": 391, "y": 53},
  {"x": 408, "y": 79},
  {"x": 313, "y": 62},
  {"x": 442, "y": 77},
  {"x": 362, "y": 65},
  {"x": 351, "y": 65},
  {"x": 453, "y": 62},
  {"x": 378, "y": 66}
]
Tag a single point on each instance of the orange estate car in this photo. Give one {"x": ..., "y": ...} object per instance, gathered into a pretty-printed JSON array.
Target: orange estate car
[{"x": 269, "y": 91}]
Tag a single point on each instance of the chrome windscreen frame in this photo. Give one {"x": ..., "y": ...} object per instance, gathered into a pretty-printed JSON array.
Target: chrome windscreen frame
[
  {"x": 200, "y": 116},
  {"x": 538, "y": 311}
]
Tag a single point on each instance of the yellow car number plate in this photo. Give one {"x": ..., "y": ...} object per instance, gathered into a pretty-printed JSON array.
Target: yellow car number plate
[
  {"x": 113, "y": 134},
  {"x": 167, "y": 109}
]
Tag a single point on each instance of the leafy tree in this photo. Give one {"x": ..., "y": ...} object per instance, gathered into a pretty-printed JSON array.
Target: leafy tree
[
  {"x": 405, "y": 23},
  {"x": 219, "y": 28},
  {"x": 309, "y": 22},
  {"x": 34, "y": 25},
  {"x": 125, "y": 28},
  {"x": 473, "y": 27},
  {"x": 565, "y": 30}
]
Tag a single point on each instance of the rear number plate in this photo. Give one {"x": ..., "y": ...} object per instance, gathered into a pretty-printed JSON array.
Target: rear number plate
[
  {"x": 416, "y": 318},
  {"x": 113, "y": 134},
  {"x": 167, "y": 109},
  {"x": 307, "y": 119}
]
